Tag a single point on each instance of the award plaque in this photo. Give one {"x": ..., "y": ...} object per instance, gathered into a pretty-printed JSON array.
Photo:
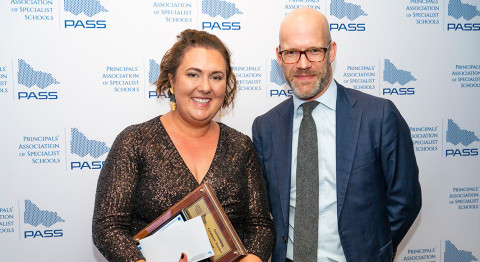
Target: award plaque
[{"x": 202, "y": 201}]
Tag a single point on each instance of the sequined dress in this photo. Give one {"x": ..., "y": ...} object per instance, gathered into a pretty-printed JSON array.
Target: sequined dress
[{"x": 144, "y": 175}]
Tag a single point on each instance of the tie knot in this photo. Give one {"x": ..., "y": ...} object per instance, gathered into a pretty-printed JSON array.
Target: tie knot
[{"x": 308, "y": 107}]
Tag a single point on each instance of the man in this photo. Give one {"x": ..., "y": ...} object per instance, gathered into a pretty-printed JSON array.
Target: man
[{"x": 367, "y": 193}]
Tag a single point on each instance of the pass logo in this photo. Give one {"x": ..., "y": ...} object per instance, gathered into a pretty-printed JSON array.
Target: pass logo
[
  {"x": 464, "y": 141},
  {"x": 36, "y": 217},
  {"x": 225, "y": 10},
  {"x": 30, "y": 77},
  {"x": 87, "y": 8},
  {"x": 82, "y": 147}
]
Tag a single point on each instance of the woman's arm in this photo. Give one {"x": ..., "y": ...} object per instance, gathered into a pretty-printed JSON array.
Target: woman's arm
[
  {"x": 259, "y": 230},
  {"x": 113, "y": 202}
]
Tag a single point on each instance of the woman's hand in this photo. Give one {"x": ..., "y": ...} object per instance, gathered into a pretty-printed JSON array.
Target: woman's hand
[
  {"x": 250, "y": 258},
  {"x": 183, "y": 258}
]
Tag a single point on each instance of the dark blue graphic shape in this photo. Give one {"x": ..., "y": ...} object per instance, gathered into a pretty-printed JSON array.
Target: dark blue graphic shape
[
  {"x": 455, "y": 135},
  {"x": 341, "y": 9},
  {"x": 34, "y": 216},
  {"x": 276, "y": 73},
  {"x": 393, "y": 75},
  {"x": 88, "y": 7},
  {"x": 457, "y": 9},
  {"x": 29, "y": 77},
  {"x": 452, "y": 254},
  {"x": 154, "y": 71},
  {"x": 81, "y": 146},
  {"x": 219, "y": 7}
]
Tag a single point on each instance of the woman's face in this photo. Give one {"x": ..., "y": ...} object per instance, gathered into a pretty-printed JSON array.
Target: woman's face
[{"x": 200, "y": 85}]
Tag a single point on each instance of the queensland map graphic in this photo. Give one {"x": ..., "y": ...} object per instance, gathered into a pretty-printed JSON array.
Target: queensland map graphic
[
  {"x": 453, "y": 254},
  {"x": 341, "y": 9},
  {"x": 35, "y": 216},
  {"x": 154, "y": 71},
  {"x": 457, "y": 9},
  {"x": 88, "y": 7},
  {"x": 276, "y": 73},
  {"x": 82, "y": 146},
  {"x": 392, "y": 74},
  {"x": 224, "y": 9},
  {"x": 29, "y": 77},
  {"x": 456, "y": 136}
]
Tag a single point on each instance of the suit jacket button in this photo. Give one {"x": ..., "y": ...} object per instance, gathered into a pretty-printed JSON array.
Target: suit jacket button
[{"x": 284, "y": 239}]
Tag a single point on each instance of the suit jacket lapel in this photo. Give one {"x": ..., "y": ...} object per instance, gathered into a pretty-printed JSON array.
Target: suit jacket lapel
[
  {"x": 282, "y": 144},
  {"x": 348, "y": 120}
]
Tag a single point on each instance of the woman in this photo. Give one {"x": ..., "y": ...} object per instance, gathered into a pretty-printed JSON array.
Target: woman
[{"x": 153, "y": 165}]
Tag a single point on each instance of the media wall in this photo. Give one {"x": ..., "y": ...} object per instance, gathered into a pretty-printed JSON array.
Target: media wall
[{"x": 73, "y": 74}]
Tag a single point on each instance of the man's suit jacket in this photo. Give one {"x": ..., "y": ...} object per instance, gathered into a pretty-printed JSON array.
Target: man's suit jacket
[{"x": 378, "y": 192}]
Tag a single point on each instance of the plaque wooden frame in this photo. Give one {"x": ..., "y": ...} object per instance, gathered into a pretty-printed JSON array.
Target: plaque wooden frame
[{"x": 202, "y": 201}]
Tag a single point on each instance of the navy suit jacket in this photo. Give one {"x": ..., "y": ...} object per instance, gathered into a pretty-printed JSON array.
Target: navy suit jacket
[{"x": 378, "y": 192}]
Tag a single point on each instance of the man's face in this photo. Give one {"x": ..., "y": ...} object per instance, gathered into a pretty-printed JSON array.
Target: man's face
[{"x": 308, "y": 80}]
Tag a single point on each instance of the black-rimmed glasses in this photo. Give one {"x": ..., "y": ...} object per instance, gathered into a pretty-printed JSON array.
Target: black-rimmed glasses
[{"x": 314, "y": 54}]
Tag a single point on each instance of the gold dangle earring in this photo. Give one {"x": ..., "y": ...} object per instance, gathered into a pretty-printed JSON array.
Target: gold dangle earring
[{"x": 173, "y": 102}]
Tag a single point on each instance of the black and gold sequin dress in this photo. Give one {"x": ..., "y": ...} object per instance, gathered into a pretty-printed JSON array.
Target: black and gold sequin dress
[{"x": 144, "y": 175}]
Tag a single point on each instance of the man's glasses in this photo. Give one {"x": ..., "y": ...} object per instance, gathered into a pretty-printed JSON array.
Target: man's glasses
[{"x": 315, "y": 54}]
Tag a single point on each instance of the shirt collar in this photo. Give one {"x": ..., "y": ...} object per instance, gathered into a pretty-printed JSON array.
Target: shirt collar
[{"x": 328, "y": 99}]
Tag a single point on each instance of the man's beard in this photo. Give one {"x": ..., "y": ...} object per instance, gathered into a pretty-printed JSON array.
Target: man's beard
[{"x": 318, "y": 87}]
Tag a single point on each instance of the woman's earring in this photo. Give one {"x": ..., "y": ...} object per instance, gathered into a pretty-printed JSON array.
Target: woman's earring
[{"x": 173, "y": 102}]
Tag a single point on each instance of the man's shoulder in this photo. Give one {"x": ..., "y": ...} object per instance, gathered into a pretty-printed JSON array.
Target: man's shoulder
[
  {"x": 281, "y": 109},
  {"x": 371, "y": 106},
  {"x": 362, "y": 99},
  {"x": 272, "y": 118}
]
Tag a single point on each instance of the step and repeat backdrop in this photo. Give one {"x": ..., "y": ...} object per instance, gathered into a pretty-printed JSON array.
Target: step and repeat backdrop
[{"x": 74, "y": 73}]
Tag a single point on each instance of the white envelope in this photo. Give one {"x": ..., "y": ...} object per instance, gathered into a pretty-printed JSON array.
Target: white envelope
[{"x": 189, "y": 237}]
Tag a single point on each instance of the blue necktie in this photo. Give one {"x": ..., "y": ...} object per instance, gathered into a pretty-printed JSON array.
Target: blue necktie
[{"x": 305, "y": 242}]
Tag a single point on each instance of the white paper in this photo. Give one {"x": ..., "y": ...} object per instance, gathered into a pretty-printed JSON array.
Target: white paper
[
  {"x": 174, "y": 222},
  {"x": 189, "y": 237}
]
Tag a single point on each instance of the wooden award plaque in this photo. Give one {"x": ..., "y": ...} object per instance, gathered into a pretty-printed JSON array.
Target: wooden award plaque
[{"x": 202, "y": 201}]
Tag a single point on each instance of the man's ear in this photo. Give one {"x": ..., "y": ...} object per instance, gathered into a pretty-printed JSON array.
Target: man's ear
[
  {"x": 279, "y": 59},
  {"x": 333, "y": 52}
]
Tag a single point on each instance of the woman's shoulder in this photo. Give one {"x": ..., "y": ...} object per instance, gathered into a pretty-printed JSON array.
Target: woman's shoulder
[
  {"x": 231, "y": 131},
  {"x": 142, "y": 130},
  {"x": 234, "y": 136}
]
